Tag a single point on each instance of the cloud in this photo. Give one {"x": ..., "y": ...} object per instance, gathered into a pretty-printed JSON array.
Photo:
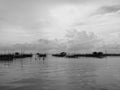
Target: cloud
[
  {"x": 26, "y": 21},
  {"x": 108, "y": 9},
  {"x": 101, "y": 25},
  {"x": 41, "y": 45},
  {"x": 77, "y": 41},
  {"x": 81, "y": 41},
  {"x": 22, "y": 22}
]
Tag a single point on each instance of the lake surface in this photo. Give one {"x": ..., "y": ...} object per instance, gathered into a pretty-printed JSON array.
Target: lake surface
[{"x": 60, "y": 74}]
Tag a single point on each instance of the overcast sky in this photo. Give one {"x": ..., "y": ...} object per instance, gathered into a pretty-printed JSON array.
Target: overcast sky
[{"x": 76, "y": 23}]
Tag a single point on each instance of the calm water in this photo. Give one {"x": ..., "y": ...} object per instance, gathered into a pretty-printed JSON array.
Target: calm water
[{"x": 61, "y": 74}]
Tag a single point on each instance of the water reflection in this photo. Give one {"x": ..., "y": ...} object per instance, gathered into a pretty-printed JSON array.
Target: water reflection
[{"x": 60, "y": 74}]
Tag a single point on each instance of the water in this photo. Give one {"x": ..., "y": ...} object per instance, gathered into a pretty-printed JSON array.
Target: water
[{"x": 61, "y": 74}]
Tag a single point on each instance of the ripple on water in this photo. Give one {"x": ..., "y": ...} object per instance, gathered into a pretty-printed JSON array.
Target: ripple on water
[{"x": 61, "y": 74}]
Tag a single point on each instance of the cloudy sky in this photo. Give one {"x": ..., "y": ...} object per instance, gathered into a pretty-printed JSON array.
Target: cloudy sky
[{"x": 66, "y": 24}]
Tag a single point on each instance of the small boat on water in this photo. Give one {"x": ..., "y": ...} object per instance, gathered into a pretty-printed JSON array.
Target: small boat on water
[{"x": 62, "y": 54}]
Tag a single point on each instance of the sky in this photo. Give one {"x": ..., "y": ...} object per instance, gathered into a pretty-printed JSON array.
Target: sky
[{"x": 70, "y": 25}]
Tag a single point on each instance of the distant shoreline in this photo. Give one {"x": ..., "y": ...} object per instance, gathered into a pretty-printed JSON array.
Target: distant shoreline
[
  {"x": 16, "y": 55},
  {"x": 94, "y": 54}
]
